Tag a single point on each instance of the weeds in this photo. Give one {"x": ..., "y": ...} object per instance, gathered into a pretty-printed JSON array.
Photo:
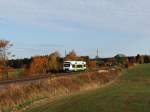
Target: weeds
[{"x": 18, "y": 96}]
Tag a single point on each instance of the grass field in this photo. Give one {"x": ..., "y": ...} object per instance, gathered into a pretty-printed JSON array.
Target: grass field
[{"x": 131, "y": 93}]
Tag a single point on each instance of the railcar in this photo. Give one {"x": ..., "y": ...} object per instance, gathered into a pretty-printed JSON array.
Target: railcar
[{"x": 73, "y": 66}]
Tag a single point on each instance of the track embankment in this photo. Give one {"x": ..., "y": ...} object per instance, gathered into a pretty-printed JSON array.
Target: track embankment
[{"x": 19, "y": 95}]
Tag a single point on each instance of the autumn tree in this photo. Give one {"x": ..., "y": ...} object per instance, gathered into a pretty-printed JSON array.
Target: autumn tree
[
  {"x": 139, "y": 59},
  {"x": 71, "y": 56},
  {"x": 4, "y": 55},
  {"x": 38, "y": 65},
  {"x": 53, "y": 62},
  {"x": 46, "y": 64},
  {"x": 146, "y": 59},
  {"x": 121, "y": 60},
  {"x": 92, "y": 64}
]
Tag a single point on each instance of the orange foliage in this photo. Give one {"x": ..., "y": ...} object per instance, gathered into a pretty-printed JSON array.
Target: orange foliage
[
  {"x": 92, "y": 64},
  {"x": 38, "y": 65},
  {"x": 53, "y": 63},
  {"x": 71, "y": 56}
]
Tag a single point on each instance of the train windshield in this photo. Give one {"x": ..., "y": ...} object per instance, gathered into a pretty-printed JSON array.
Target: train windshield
[{"x": 66, "y": 65}]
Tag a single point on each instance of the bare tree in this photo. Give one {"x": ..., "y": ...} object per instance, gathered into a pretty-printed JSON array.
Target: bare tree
[{"x": 4, "y": 55}]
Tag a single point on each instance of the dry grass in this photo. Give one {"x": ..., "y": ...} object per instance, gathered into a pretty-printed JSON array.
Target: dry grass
[{"x": 18, "y": 96}]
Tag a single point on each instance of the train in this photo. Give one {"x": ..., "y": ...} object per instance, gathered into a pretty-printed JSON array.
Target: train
[{"x": 74, "y": 66}]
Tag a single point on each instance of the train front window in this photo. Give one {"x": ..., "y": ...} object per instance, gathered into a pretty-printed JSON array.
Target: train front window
[{"x": 66, "y": 65}]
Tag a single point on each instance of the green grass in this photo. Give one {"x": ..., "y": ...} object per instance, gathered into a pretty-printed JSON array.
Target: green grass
[{"x": 131, "y": 93}]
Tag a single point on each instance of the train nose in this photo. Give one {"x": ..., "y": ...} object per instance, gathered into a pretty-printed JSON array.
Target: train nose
[{"x": 66, "y": 69}]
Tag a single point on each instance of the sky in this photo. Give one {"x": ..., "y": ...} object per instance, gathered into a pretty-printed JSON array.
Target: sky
[{"x": 39, "y": 27}]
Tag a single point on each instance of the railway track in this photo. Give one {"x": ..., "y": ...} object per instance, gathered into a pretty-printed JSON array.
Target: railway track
[
  {"x": 34, "y": 78},
  {"x": 23, "y": 79}
]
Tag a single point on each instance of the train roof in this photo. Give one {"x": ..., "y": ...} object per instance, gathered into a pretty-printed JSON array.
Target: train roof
[{"x": 75, "y": 62}]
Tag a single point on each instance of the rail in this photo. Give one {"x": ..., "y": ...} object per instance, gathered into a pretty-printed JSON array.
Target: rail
[{"x": 36, "y": 77}]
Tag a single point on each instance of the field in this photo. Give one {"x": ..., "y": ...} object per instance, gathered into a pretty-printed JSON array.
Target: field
[
  {"x": 130, "y": 93},
  {"x": 20, "y": 95}
]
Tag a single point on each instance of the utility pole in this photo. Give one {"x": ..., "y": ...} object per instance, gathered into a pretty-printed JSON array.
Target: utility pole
[
  {"x": 65, "y": 53},
  {"x": 97, "y": 58},
  {"x": 97, "y": 54}
]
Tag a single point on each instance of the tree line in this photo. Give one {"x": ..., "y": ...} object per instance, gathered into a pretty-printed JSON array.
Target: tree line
[{"x": 53, "y": 62}]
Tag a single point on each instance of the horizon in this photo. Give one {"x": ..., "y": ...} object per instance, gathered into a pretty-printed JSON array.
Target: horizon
[{"x": 39, "y": 27}]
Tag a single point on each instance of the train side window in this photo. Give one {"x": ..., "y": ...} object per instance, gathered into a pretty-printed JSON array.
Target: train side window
[
  {"x": 73, "y": 66},
  {"x": 79, "y": 66}
]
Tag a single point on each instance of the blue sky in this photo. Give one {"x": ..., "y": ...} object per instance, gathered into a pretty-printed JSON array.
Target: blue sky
[{"x": 37, "y": 27}]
